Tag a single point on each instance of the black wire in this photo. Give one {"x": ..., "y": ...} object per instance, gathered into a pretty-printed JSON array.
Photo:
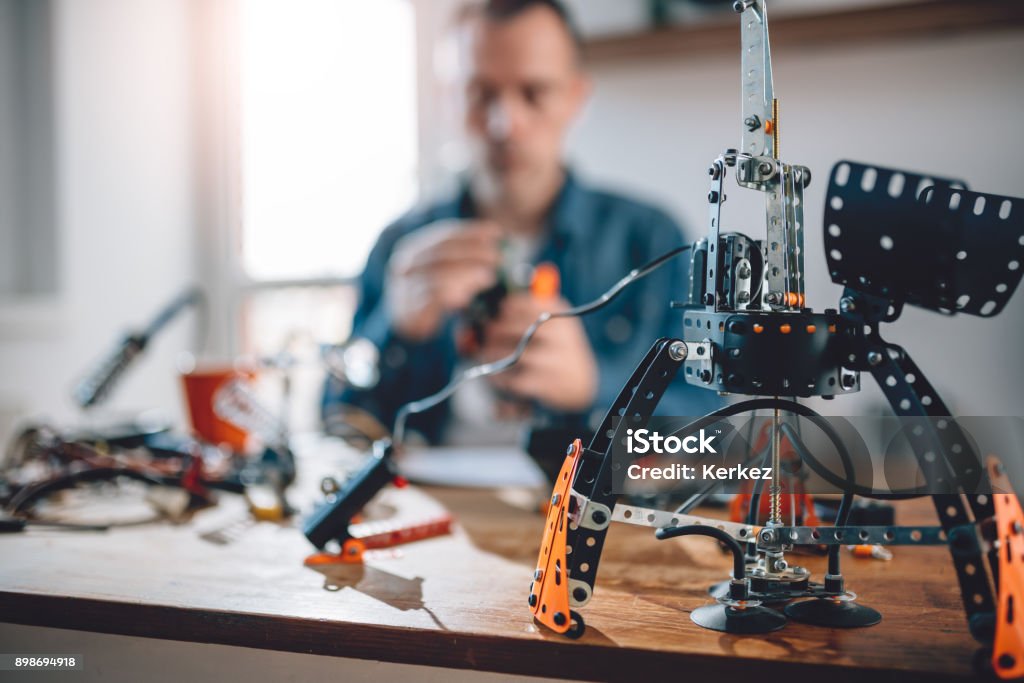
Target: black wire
[
  {"x": 850, "y": 483},
  {"x": 739, "y": 564},
  {"x": 502, "y": 364},
  {"x": 32, "y": 493}
]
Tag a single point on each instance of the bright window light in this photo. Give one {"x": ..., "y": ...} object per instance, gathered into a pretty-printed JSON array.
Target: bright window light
[{"x": 329, "y": 132}]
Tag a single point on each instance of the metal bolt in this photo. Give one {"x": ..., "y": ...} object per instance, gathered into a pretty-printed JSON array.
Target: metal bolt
[
  {"x": 781, "y": 565},
  {"x": 713, "y": 197},
  {"x": 599, "y": 517},
  {"x": 556, "y": 499},
  {"x": 743, "y": 272},
  {"x": 709, "y": 299},
  {"x": 559, "y": 618},
  {"x": 705, "y": 376},
  {"x": 677, "y": 351},
  {"x": 765, "y": 168},
  {"x": 767, "y": 536},
  {"x": 532, "y": 600},
  {"x": 752, "y": 123},
  {"x": 874, "y": 358},
  {"x": 772, "y": 298},
  {"x": 568, "y": 451},
  {"x": 538, "y": 575},
  {"x": 849, "y": 381},
  {"x": 847, "y": 305},
  {"x": 741, "y": 5}
]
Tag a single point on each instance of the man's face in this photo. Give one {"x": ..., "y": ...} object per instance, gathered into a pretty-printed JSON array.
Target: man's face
[{"x": 524, "y": 89}]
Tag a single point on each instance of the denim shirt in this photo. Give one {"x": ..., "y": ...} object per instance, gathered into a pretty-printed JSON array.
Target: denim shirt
[{"x": 594, "y": 238}]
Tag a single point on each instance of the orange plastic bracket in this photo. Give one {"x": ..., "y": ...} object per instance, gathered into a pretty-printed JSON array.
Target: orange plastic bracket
[
  {"x": 377, "y": 535},
  {"x": 1008, "y": 649},
  {"x": 549, "y": 592}
]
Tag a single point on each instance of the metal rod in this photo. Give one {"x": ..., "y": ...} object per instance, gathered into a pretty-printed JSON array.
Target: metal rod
[
  {"x": 775, "y": 490},
  {"x": 775, "y": 127}
]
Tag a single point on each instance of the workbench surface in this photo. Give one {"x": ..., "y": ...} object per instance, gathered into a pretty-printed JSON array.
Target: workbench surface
[{"x": 460, "y": 600}]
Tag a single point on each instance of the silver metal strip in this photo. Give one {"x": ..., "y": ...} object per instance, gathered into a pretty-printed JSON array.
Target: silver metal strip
[
  {"x": 862, "y": 535},
  {"x": 756, "y": 77},
  {"x": 789, "y": 535},
  {"x": 657, "y": 519}
]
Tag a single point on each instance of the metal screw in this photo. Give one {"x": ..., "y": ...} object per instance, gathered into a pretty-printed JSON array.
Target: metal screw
[
  {"x": 556, "y": 499},
  {"x": 743, "y": 272},
  {"x": 874, "y": 358},
  {"x": 568, "y": 451},
  {"x": 537, "y": 575},
  {"x": 677, "y": 351},
  {"x": 752, "y": 123},
  {"x": 532, "y": 600},
  {"x": 767, "y": 536},
  {"x": 713, "y": 197},
  {"x": 765, "y": 168},
  {"x": 741, "y": 5},
  {"x": 849, "y": 381},
  {"x": 772, "y": 298},
  {"x": 847, "y": 305},
  {"x": 709, "y": 299},
  {"x": 559, "y": 618},
  {"x": 599, "y": 517},
  {"x": 705, "y": 376}
]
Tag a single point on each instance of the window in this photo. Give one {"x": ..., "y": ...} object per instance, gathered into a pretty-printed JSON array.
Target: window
[
  {"x": 28, "y": 248},
  {"x": 328, "y": 132},
  {"x": 328, "y": 157}
]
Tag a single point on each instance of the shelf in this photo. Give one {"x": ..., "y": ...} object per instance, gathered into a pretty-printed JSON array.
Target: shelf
[{"x": 871, "y": 24}]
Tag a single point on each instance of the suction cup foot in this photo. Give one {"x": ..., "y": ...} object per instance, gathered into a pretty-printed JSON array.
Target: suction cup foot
[
  {"x": 751, "y": 619},
  {"x": 832, "y": 613}
]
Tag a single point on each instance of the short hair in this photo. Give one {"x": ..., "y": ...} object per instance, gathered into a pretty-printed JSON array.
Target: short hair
[{"x": 503, "y": 10}]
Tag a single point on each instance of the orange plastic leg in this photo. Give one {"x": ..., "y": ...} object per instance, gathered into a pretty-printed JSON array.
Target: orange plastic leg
[
  {"x": 1008, "y": 649},
  {"x": 549, "y": 592}
]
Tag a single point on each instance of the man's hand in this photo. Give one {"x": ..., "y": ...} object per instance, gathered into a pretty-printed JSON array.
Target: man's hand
[
  {"x": 438, "y": 270},
  {"x": 558, "y": 368}
]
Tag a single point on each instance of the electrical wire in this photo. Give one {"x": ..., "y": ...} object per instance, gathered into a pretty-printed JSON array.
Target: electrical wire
[{"x": 502, "y": 364}]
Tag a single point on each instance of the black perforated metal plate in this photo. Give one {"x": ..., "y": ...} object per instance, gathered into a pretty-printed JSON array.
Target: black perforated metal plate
[{"x": 927, "y": 241}]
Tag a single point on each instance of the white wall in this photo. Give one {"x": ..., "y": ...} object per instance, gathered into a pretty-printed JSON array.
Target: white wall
[
  {"x": 948, "y": 106},
  {"x": 124, "y": 205}
]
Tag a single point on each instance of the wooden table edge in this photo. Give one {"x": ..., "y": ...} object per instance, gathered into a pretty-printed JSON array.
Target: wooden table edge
[{"x": 448, "y": 649}]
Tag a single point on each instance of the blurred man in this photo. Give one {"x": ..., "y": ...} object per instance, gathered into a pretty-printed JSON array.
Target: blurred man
[{"x": 519, "y": 204}]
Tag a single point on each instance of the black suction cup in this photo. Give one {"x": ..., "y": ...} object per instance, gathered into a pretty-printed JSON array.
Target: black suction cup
[
  {"x": 752, "y": 619},
  {"x": 833, "y": 613}
]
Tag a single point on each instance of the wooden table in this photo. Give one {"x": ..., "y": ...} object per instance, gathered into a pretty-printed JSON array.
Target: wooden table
[{"x": 460, "y": 601}]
